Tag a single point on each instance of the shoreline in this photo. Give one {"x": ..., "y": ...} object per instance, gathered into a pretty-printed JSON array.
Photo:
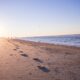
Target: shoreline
[{"x": 45, "y": 43}]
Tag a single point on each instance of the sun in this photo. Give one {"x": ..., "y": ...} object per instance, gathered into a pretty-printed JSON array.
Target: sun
[{"x": 2, "y": 31}]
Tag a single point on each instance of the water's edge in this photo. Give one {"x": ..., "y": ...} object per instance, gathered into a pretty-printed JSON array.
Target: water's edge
[{"x": 69, "y": 40}]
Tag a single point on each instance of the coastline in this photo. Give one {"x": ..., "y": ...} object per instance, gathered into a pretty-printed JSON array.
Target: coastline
[
  {"x": 27, "y": 60},
  {"x": 45, "y": 43}
]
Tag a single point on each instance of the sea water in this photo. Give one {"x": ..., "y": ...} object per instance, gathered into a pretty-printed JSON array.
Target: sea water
[{"x": 70, "y": 40}]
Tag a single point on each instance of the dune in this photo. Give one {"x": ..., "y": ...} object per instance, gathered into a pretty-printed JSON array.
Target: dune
[{"x": 26, "y": 60}]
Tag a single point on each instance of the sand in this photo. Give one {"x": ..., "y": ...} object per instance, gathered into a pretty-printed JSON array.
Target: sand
[{"x": 24, "y": 60}]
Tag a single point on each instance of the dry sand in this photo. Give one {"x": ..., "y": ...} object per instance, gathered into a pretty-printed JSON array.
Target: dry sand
[{"x": 24, "y": 60}]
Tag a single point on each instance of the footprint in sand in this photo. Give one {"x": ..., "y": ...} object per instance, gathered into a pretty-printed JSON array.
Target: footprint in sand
[
  {"x": 16, "y": 49},
  {"x": 38, "y": 60},
  {"x": 43, "y": 68},
  {"x": 20, "y": 51},
  {"x": 24, "y": 55}
]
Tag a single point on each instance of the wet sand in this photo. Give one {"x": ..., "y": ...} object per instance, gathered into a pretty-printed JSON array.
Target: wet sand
[{"x": 25, "y": 60}]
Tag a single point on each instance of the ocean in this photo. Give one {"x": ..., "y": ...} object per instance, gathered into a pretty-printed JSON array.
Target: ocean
[{"x": 69, "y": 40}]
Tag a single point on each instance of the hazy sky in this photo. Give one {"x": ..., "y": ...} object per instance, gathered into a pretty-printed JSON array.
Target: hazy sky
[{"x": 39, "y": 17}]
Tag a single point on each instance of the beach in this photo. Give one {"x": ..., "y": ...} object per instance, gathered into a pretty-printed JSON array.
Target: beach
[{"x": 27, "y": 60}]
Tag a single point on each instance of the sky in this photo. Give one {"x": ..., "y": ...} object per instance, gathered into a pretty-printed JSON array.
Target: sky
[{"x": 22, "y": 18}]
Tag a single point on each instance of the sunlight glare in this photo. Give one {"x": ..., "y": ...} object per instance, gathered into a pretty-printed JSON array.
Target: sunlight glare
[{"x": 2, "y": 31}]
